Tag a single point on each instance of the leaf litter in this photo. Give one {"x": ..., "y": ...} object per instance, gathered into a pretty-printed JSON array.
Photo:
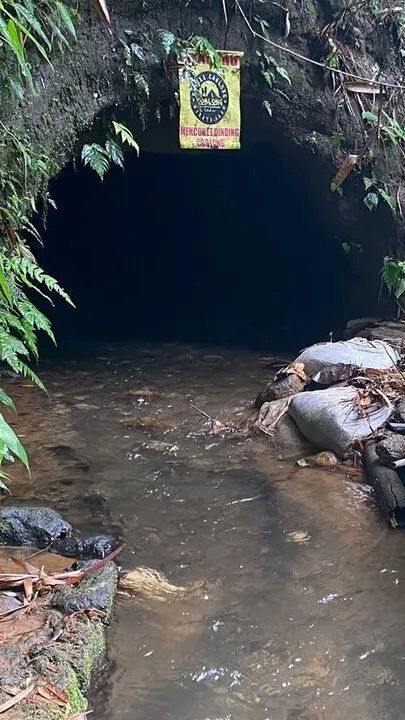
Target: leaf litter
[{"x": 41, "y": 625}]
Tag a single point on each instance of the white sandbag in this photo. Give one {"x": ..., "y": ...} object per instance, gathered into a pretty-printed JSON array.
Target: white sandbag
[
  {"x": 330, "y": 419},
  {"x": 357, "y": 351}
]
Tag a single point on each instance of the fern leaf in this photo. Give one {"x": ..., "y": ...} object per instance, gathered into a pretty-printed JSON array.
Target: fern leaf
[
  {"x": 66, "y": 17},
  {"x": 12, "y": 442},
  {"x": 167, "y": 41},
  {"x": 96, "y": 157},
  {"x": 6, "y": 400},
  {"x": 126, "y": 135},
  {"x": 26, "y": 371},
  {"x": 115, "y": 153},
  {"x": 26, "y": 269}
]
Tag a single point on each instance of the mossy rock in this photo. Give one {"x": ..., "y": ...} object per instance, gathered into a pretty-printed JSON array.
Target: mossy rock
[{"x": 73, "y": 665}]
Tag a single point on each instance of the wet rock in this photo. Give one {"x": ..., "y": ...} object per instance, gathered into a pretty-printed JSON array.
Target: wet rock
[
  {"x": 34, "y": 526},
  {"x": 98, "y": 546},
  {"x": 391, "y": 448},
  {"x": 280, "y": 388},
  {"x": 13, "y": 666},
  {"x": 95, "y": 591},
  {"x": 39, "y": 527}
]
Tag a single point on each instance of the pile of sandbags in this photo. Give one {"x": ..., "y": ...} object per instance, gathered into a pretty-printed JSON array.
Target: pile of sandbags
[{"x": 332, "y": 418}]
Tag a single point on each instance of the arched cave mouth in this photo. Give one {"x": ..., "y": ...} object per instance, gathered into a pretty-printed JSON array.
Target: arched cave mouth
[{"x": 223, "y": 247}]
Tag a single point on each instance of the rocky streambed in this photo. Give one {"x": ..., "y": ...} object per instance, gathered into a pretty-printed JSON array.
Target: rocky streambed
[{"x": 296, "y": 563}]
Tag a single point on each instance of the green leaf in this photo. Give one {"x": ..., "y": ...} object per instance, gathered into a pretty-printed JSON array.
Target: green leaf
[
  {"x": 6, "y": 400},
  {"x": 269, "y": 77},
  {"x": 126, "y": 135},
  {"x": 389, "y": 199},
  {"x": 284, "y": 73},
  {"x": 203, "y": 46},
  {"x": 66, "y": 17},
  {"x": 400, "y": 289},
  {"x": 114, "y": 153},
  {"x": 370, "y": 117},
  {"x": 16, "y": 87},
  {"x": 16, "y": 44},
  {"x": 11, "y": 441},
  {"x": 371, "y": 200},
  {"x": 368, "y": 182},
  {"x": 96, "y": 157},
  {"x": 27, "y": 13},
  {"x": 24, "y": 30},
  {"x": 167, "y": 40}
]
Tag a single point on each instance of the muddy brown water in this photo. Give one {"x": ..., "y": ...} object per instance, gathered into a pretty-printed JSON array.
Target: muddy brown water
[{"x": 284, "y": 630}]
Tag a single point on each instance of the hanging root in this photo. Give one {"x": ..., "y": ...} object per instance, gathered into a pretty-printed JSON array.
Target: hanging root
[{"x": 149, "y": 584}]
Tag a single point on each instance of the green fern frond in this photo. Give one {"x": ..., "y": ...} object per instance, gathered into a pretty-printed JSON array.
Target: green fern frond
[
  {"x": 125, "y": 135},
  {"x": 26, "y": 269},
  {"x": 114, "y": 153},
  {"x": 96, "y": 158}
]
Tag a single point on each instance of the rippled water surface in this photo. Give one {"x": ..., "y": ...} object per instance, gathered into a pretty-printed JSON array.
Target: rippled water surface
[{"x": 284, "y": 630}]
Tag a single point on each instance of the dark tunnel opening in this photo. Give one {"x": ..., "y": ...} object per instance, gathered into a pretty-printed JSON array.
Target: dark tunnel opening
[{"x": 212, "y": 247}]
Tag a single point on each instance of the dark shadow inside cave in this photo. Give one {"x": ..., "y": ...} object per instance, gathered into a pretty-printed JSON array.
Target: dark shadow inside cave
[{"x": 222, "y": 247}]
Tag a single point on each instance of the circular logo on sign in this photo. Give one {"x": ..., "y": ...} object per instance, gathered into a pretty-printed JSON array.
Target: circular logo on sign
[{"x": 209, "y": 97}]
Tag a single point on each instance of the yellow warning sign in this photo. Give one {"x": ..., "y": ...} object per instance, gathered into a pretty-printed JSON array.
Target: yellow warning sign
[{"x": 210, "y": 104}]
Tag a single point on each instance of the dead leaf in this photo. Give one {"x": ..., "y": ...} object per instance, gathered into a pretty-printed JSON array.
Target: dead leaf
[
  {"x": 16, "y": 699},
  {"x": 28, "y": 588},
  {"x": 363, "y": 87},
  {"x": 345, "y": 169},
  {"x": 101, "y": 9},
  {"x": 299, "y": 370},
  {"x": 332, "y": 374},
  {"x": 53, "y": 694}
]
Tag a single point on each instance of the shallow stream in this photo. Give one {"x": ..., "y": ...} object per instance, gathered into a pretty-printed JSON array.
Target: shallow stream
[{"x": 303, "y": 615}]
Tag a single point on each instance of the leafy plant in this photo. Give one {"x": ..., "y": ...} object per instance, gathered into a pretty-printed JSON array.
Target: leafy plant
[
  {"x": 185, "y": 50},
  {"x": 27, "y": 28},
  {"x": 99, "y": 158},
  {"x": 126, "y": 135},
  {"x": 393, "y": 279},
  {"x": 133, "y": 55},
  {"x": 337, "y": 138},
  {"x": 376, "y": 190},
  {"x": 270, "y": 69},
  {"x": 389, "y": 129}
]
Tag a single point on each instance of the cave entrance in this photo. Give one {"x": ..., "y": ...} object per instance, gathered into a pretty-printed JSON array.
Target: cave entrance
[{"x": 222, "y": 247}]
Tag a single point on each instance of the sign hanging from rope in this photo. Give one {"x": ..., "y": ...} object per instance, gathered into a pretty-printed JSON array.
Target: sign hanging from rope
[{"x": 210, "y": 103}]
